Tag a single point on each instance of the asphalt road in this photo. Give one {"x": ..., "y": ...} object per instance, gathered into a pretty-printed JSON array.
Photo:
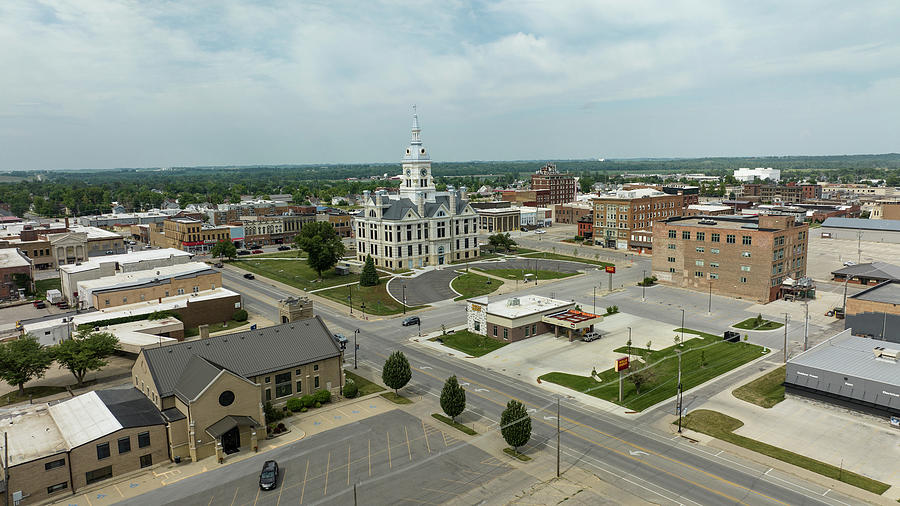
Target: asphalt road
[
  {"x": 651, "y": 464},
  {"x": 426, "y": 288},
  {"x": 393, "y": 458}
]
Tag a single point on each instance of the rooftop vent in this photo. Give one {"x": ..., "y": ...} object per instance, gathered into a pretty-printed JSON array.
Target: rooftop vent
[
  {"x": 886, "y": 353},
  {"x": 514, "y": 301},
  {"x": 707, "y": 222}
]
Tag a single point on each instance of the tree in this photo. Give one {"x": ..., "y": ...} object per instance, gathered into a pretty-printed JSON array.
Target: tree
[
  {"x": 641, "y": 377},
  {"x": 515, "y": 424},
  {"x": 369, "y": 276},
  {"x": 23, "y": 359},
  {"x": 453, "y": 398},
  {"x": 504, "y": 241},
  {"x": 396, "y": 372},
  {"x": 322, "y": 245},
  {"x": 224, "y": 249},
  {"x": 85, "y": 352}
]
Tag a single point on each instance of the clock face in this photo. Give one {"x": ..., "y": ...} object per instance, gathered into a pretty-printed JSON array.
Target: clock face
[
  {"x": 408, "y": 172},
  {"x": 424, "y": 172}
]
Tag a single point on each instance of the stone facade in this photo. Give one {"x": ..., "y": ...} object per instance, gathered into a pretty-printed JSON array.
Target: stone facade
[{"x": 295, "y": 308}]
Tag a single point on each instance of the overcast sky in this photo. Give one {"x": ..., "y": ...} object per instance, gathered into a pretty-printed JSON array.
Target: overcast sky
[{"x": 98, "y": 83}]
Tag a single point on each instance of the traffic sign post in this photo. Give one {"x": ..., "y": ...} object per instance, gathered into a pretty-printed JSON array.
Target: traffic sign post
[
  {"x": 611, "y": 269},
  {"x": 621, "y": 365}
]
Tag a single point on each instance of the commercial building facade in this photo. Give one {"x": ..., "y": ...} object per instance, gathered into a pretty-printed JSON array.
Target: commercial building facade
[
  {"x": 419, "y": 226},
  {"x": 748, "y": 175},
  {"x": 99, "y": 267},
  {"x": 875, "y": 312},
  {"x": 618, "y": 215},
  {"x": 14, "y": 265},
  {"x": 561, "y": 187},
  {"x": 131, "y": 287},
  {"x": 499, "y": 220},
  {"x": 744, "y": 257},
  {"x": 781, "y": 193},
  {"x": 188, "y": 234},
  {"x": 518, "y": 318},
  {"x": 527, "y": 197},
  {"x": 572, "y": 212}
]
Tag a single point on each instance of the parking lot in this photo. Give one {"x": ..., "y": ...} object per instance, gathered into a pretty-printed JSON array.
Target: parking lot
[{"x": 394, "y": 458}]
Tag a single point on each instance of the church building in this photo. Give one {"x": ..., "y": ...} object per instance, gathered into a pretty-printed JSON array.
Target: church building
[{"x": 420, "y": 226}]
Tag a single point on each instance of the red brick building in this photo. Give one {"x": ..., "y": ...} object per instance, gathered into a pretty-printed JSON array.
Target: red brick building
[
  {"x": 561, "y": 186},
  {"x": 13, "y": 262}
]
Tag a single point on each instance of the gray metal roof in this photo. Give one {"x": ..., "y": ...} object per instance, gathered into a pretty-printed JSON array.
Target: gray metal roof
[
  {"x": 873, "y": 270},
  {"x": 130, "y": 407},
  {"x": 197, "y": 375},
  {"x": 849, "y": 355},
  {"x": 173, "y": 414},
  {"x": 249, "y": 353},
  {"x": 887, "y": 292},
  {"x": 863, "y": 224},
  {"x": 229, "y": 422},
  {"x": 398, "y": 208}
]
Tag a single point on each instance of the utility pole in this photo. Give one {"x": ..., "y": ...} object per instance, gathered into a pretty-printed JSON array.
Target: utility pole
[
  {"x": 355, "y": 347},
  {"x": 557, "y": 436},
  {"x": 786, "y": 319},
  {"x": 629, "y": 351}
]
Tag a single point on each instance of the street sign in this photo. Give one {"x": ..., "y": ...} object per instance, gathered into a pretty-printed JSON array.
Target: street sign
[
  {"x": 611, "y": 269},
  {"x": 622, "y": 364}
]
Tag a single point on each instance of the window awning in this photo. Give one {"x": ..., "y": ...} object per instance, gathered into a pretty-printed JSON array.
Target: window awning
[{"x": 229, "y": 422}]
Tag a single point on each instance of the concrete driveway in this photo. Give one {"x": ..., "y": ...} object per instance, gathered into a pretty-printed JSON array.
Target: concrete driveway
[{"x": 426, "y": 288}]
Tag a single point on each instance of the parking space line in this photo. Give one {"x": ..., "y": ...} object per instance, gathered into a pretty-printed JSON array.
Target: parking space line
[
  {"x": 425, "y": 432},
  {"x": 210, "y": 499},
  {"x": 257, "y": 496},
  {"x": 280, "y": 489},
  {"x": 348, "y": 465},
  {"x": 235, "y": 495},
  {"x": 327, "y": 467},
  {"x": 370, "y": 458},
  {"x": 119, "y": 491},
  {"x": 390, "y": 465},
  {"x": 88, "y": 499},
  {"x": 408, "y": 449},
  {"x": 305, "y": 474},
  {"x": 444, "y": 437}
]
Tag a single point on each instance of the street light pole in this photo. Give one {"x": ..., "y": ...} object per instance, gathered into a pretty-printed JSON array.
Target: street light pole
[
  {"x": 404, "y": 298},
  {"x": 363, "y": 307},
  {"x": 629, "y": 344},
  {"x": 643, "y": 286},
  {"x": 355, "y": 347},
  {"x": 680, "y": 392},
  {"x": 595, "y": 300},
  {"x": 682, "y": 326},
  {"x": 350, "y": 298},
  {"x": 709, "y": 307},
  {"x": 786, "y": 319}
]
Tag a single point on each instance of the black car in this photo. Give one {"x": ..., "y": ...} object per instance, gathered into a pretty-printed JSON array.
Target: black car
[
  {"x": 218, "y": 265},
  {"x": 284, "y": 248},
  {"x": 244, "y": 252},
  {"x": 412, "y": 320},
  {"x": 268, "y": 478},
  {"x": 249, "y": 275}
]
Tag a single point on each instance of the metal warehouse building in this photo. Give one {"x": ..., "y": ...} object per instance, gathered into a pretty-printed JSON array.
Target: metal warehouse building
[
  {"x": 851, "y": 371},
  {"x": 860, "y": 229}
]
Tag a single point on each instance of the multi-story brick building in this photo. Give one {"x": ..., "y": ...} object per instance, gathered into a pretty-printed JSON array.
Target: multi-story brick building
[
  {"x": 12, "y": 263},
  {"x": 791, "y": 192},
  {"x": 560, "y": 185},
  {"x": 188, "y": 234},
  {"x": 745, "y": 257},
  {"x": 533, "y": 198},
  {"x": 572, "y": 212},
  {"x": 148, "y": 285},
  {"x": 619, "y": 215}
]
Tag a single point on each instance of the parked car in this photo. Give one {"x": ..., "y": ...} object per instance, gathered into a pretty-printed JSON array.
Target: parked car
[
  {"x": 244, "y": 252},
  {"x": 268, "y": 478},
  {"x": 257, "y": 251},
  {"x": 590, "y": 336},
  {"x": 284, "y": 248},
  {"x": 63, "y": 305},
  {"x": 540, "y": 232},
  {"x": 412, "y": 320},
  {"x": 109, "y": 252},
  {"x": 39, "y": 304},
  {"x": 849, "y": 263},
  {"x": 249, "y": 275},
  {"x": 254, "y": 246},
  {"x": 218, "y": 264},
  {"x": 342, "y": 341}
]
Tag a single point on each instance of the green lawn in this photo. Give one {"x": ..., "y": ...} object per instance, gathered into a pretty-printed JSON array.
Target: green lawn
[
  {"x": 513, "y": 453},
  {"x": 42, "y": 285},
  {"x": 456, "y": 425},
  {"x": 518, "y": 273},
  {"x": 295, "y": 273},
  {"x": 717, "y": 357},
  {"x": 378, "y": 301},
  {"x": 396, "y": 399},
  {"x": 280, "y": 254},
  {"x": 472, "y": 285},
  {"x": 215, "y": 327},
  {"x": 765, "y": 391},
  {"x": 556, "y": 256},
  {"x": 33, "y": 392},
  {"x": 750, "y": 324},
  {"x": 365, "y": 386},
  {"x": 723, "y": 426},
  {"x": 475, "y": 345}
]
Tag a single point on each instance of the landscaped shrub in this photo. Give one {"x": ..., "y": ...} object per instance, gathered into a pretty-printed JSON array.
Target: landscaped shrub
[
  {"x": 318, "y": 404},
  {"x": 308, "y": 401},
  {"x": 323, "y": 396},
  {"x": 240, "y": 315},
  {"x": 294, "y": 404},
  {"x": 350, "y": 389},
  {"x": 304, "y": 409},
  {"x": 281, "y": 427}
]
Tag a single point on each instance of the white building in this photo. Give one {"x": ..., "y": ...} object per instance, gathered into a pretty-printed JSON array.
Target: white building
[
  {"x": 748, "y": 175},
  {"x": 419, "y": 226},
  {"x": 109, "y": 265}
]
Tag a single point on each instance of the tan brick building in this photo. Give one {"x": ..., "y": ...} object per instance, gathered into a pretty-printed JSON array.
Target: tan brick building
[
  {"x": 744, "y": 257},
  {"x": 147, "y": 285},
  {"x": 572, "y": 212},
  {"x": 188, "y": 234},
  {"x": 212, "y": 392},
  {"x": 56, "y": 450},
  {"x": 624, "y": 220}
]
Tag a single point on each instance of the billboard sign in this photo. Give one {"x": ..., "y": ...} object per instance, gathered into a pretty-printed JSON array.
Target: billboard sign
[
  {"x": 622, "y": 364},
  {"x": 611, "y": 269}
]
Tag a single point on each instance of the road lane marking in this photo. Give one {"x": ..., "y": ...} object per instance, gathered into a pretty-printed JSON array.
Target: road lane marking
[
  {"x": 210, "y": 499},
  {"x": 370, "y": 457},
  {"x": 390, "y": 464},
  {"x": 425, "y": 432},
  {"x": 235, "y": 495},
  {"x": 408, "y": 449},
  {"x": 304, "y": 482},
  {"x": 327, "y": 466}
]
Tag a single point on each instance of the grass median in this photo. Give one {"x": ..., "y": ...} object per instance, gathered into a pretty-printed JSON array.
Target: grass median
[
  {"x": 376, "y": 298},
  {"x": 296, "y": 273},
  {"x": 456, "y": 425},
  {"x": 470, "y": 343},
  {"x": 395, "y": 398},
  {"x": 757, "y": 324},
  {"x": 470, "y": 285},
  {"x": 365, "y": 386},
  {"x": 721, "y": 426},
  {"x": 702, "y": 358},
  {"x": 765, "y": 391}
]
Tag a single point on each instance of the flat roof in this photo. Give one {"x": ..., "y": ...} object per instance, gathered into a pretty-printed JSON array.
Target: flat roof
[
  {"x": 12, "y": 257},
  {"x": 887, "y": 292},
  {"x": 720, "y": 222},
  {"x": 124, "y": 279},
  {"x": 150, "y": 306},
  {"x": 850, "y": 355},
  {"x": 871, "y": 270},
  {"x": 497, "y": 210},
  {"x": 515, "y": 307},
  {"x": 710, "y": 207},
  {"x": 126, "y": 258},
  {"x": 863, "y": 224}
]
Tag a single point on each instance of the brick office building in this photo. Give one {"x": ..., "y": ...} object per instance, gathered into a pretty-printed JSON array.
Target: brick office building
[
  {"x": 572, "y": 212},
  {"x": 561, "y": 186},
  {"x": 744, "y": 257},
  {"x": 533, "y": 198},
  {"x": 619, "y": 215},
  {"x": 777, "y": 193}
]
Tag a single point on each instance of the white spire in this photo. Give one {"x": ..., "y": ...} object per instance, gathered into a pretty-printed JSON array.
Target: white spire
[{"x": 416, "y": 141}]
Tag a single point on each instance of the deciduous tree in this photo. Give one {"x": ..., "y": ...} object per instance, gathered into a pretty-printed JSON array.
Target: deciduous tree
[
  {"x": 322, "y": 245},
  {"x": 453, "y": 398},
  {"x": 396, "y": 372},
  {"x": 515, "y": 424},
  {"x": 224, "y": 249},
  {"x": 85, "y": 352},
  {"x": 23, "y": 359}
]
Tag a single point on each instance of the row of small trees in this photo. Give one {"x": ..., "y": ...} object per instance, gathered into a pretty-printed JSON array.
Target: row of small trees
[
  {"x": 24, "y": 359},
  {"x": 515, "y": 423}
]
